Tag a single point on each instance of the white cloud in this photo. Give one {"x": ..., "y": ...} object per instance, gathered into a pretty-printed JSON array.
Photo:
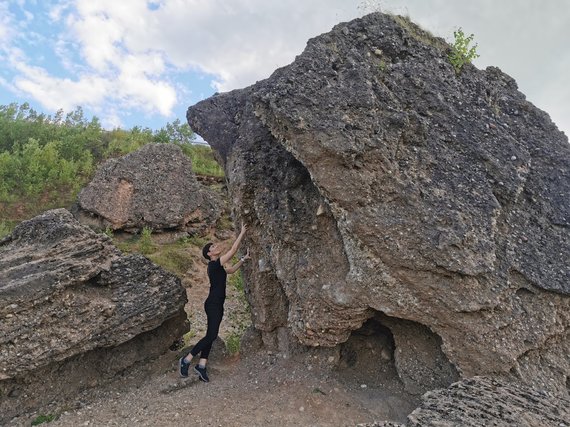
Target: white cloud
[
  {"x": 55, "y": 93},
  {"x": 240, "y": 42},
  {"x": 5, "y": 26},
  {"x": 129, "y": 48}
]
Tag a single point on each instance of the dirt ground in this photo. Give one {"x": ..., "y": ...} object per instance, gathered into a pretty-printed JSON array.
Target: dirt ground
[{"x": 259, "y": 389}]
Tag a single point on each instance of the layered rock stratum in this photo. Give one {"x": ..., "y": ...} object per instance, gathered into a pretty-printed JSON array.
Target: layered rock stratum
[
  {"x": 75, "y": 311},
  {"x": 378, "y": 183},
  {"x": 153, "y": 187}
]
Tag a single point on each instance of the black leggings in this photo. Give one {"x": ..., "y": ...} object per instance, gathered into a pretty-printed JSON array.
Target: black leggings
[{"x": 214, "y": 312}]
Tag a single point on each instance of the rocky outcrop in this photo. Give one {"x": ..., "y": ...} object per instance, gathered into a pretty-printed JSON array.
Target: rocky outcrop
[
  {"x": 152, "y": 187},
  {"x": 377, "y": 181},
  {"x": 75, "y": 311},
  {"x": 483, "y": 402}
]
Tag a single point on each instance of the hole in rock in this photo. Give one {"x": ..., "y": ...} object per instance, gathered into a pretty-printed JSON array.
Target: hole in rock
[
  {"x": 369, "y": 353},
  {"x": 394, "y": 360},
  {"x": 367, "y": 366}
]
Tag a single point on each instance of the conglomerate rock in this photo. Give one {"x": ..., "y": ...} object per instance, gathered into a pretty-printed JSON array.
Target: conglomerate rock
[
  {"x": 376, "y": 180},
  {"x": 152, "y": 187},
  {"x": 75, "y": 311},
  {"x": 486, "y": 402}
]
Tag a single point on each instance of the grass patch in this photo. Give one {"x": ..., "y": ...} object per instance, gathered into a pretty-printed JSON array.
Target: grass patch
[
  {"x": 172, "y": 258},
  {"x": 6, "y": 228},
  {"x": 41, "y": 419},
  {"x": 203, "y": 160},
  {"x": 420, "y": 34},
  {"x": 197, "y": 241}
]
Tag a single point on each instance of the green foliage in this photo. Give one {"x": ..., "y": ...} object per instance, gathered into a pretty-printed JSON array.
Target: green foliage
[
  {"x": 45, "y": 160},
  {"x": 203, "y": 161},
  {"x": 236, "y": 280},
  {"x": 32, "y": 168},
  {"x": 172, "y": 258},
  {"x": 240, "y": 321},
  {"x": 40, "y": 419},
  {"x": 119, "y": 142},
  {"x": 109, "y": 232},
  {"x": 146, "y": 246},
  {"x": 233, "y": 342},
  {"x": 461, "y": 53},
  {"x": 194, "y": 240},
  {"x": 5, "y": 229},
  {"x": 175, "y": 132}
]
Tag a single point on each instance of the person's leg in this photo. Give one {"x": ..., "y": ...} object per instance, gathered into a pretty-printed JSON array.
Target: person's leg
[
  {"x": 215, "y": 314},
  {"x": 204, "y": 344}
]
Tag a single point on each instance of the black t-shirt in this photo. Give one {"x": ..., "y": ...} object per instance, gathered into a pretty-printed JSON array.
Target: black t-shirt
[{"x": 217, "y": 275}]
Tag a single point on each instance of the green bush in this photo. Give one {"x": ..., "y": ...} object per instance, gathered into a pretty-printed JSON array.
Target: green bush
[{"x": 461, "y": 53}]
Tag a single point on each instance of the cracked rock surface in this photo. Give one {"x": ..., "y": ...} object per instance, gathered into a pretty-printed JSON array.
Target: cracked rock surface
[{"x": 376, "y": 180}]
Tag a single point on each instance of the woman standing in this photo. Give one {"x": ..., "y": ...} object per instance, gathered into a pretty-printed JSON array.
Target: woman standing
[{"x": 214, "y": 304}]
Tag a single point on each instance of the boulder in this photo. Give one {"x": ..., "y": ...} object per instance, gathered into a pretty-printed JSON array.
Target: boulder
[
  {"x": 482, "y": 402},
  {"x": 377, "y": 181},
  {"x": 75, "y": 311},
  {"x": 152, "y": 187}
]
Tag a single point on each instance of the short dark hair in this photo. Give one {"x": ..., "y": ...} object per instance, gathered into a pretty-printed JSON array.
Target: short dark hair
[{"x": 205, "y": 250}]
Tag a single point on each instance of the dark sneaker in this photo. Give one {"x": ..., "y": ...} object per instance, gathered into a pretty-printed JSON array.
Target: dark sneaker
[
  {"x": 202, "y": 373},
  {"x": 183, "y": 367}
]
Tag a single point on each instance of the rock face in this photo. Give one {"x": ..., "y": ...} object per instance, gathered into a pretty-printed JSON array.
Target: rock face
[
  {"x": 75, "y": 311},
  {"x": 483, "y": 402},
  {"x": 151, "y": 187},
  {"x": 377, "y": 181}
]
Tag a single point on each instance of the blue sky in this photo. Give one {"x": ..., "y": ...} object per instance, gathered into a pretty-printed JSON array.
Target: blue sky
[{"x": 140, "y": 62}]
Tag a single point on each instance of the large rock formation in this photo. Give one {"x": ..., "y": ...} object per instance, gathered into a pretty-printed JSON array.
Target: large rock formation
[
  {"x": 378, "y": 182},
  {"x": 152, "y": 187},
  {"x": 75, "y": 311},
  {"x": 483, "y": 402}
]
